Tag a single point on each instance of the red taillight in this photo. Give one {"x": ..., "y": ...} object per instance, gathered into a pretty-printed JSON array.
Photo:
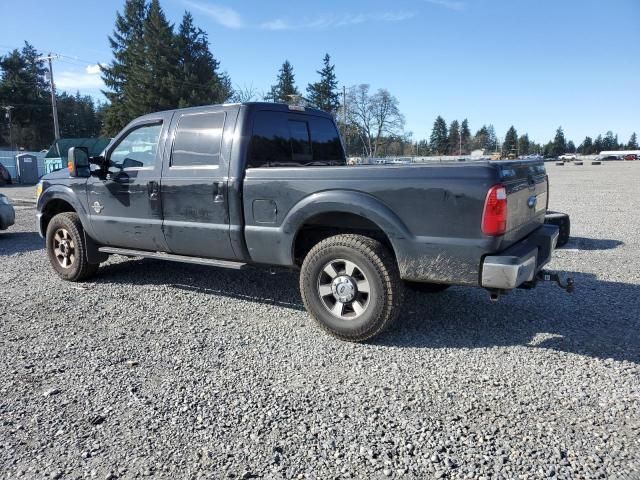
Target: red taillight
[{"x": 494, "y": 216}]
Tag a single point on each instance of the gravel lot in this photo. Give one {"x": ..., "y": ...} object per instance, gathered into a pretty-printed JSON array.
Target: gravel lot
[{"x": 176, "y": 371}]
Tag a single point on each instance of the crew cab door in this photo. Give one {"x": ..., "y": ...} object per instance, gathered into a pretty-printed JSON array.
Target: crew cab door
[
  {"x": 195, "y": 183},
  {"x": 125, "y": 207}
]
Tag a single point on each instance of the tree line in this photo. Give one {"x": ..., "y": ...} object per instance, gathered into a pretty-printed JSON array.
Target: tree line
[
  {"x": 457, "y": 140},
  {"x": 157, "y": 66},
  {"x": 25, "y": 87}
]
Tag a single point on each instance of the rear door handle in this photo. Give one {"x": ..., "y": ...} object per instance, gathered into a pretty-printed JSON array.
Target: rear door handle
[
  {"x": 153, "y": 188},
  {"x": 218, "y": 192}
]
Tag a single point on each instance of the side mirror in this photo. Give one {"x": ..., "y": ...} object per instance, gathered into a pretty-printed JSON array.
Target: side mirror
[{"x": 78, "y": 162}]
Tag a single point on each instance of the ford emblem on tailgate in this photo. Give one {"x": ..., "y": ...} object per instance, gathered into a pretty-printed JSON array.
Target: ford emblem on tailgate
[{"x": 532, "y": 201}]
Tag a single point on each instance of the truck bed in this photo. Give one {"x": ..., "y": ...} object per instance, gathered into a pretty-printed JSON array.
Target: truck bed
[{"x": 431, "y": 212}]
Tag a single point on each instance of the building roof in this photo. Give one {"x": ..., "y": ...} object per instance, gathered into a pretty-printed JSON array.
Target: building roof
[{"x": 60, "y": 148}]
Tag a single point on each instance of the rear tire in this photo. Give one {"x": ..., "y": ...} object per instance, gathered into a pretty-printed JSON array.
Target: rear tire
[
  {"x": 562, "y": 221},
  {"x": 350, "y": 284},
  {"x": 423, "y": 287},
  {"x": 66, "y": 248}
]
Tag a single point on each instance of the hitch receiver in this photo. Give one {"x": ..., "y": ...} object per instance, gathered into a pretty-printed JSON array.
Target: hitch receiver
[{"x": 548, "y": 276}]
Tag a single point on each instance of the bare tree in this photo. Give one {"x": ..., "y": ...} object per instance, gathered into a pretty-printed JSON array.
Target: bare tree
[
  {"x": 376, "y": 117},
  {"x": 245, "y": 93}
]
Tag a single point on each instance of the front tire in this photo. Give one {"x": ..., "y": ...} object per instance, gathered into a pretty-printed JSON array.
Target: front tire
[
  {"x": 66, "y": 248},
  {"x": 350, "y": 284}
]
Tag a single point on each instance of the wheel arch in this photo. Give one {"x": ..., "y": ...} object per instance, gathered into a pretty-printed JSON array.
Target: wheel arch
[
  {"x": 59, "y": 199},
  {"x": 343, "y": 211}
]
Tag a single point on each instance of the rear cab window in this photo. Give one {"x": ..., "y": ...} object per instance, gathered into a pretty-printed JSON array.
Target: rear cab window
[{"x": 280, "y": 139}]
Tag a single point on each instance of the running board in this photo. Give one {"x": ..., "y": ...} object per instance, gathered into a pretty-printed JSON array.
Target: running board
[{"x": 174, "y": 258}]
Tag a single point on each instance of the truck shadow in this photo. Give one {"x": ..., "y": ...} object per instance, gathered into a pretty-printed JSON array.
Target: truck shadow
[
  {"x": 583, "y": 243},
  {"x": 254, "y": 285},
  {"x": 12, "y": 243},
  {"x": 600, "y": 319}
]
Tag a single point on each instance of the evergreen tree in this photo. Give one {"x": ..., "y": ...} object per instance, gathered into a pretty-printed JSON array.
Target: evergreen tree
[
  {"x": 465, "y": 135},
  {"x": 598, "y": 144},
  {"x": 609, "y": 142},
  {"x": 571, "y": 147},
  {"x": 324, "y": 93},
  {"x": 285, "y": 87},
  {"x": 154, "y": 83},
  {"x": 510, "y": 145},
  {"x": 24, "y": 86},
  {"x": 586, "y": 147},
  {"x": 199, "y": 82},
  {"x": 126, "y": 45},
  {"x": 559, "y": 143},
  {"x": 453, "y": 139},
  {"x": 77, "y": 116},
  {"x": 492, "y": 139},
  {"x": 481, "y": 139},
  {"x": 633, "y": 142},
  {"x": 524, "y": 145},
  {"x": 439, "y": 137}
]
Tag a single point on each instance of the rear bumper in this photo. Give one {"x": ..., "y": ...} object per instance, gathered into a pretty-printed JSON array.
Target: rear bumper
[
  {"x": 7, "y": 216},
  {"x": 520, "y": 262}
]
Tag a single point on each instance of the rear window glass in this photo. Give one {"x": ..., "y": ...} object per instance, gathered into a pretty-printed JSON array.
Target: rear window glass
[
  {"x": 198, "y": 139},
  {"x": 283, "y": 140},
  {"x": 326, "y": 143}
]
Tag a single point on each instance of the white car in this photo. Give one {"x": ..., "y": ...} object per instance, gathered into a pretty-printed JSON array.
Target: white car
[{"x": 568, "y": 157}]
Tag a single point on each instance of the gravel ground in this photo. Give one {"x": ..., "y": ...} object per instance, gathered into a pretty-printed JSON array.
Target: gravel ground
[{"x": 176, "y": 371}]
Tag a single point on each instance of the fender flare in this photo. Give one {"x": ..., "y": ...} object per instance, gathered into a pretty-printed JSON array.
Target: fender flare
[
  {"x": 62, "y": 192},
  {"x": 343, "y": 201}
]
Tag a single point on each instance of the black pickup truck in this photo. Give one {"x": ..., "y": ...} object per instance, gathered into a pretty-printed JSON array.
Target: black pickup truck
[{"x": 264, "y": 183}]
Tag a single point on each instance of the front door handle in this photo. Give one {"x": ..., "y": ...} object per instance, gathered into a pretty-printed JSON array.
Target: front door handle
[
  {"x": 218, "y": 192},
  {"x": 154, "y": 190}
]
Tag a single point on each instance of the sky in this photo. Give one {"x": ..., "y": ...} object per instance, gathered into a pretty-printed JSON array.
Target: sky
[{"x": 534, "y": 64}]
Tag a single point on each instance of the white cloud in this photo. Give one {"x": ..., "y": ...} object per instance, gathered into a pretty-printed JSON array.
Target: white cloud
[
  {"x": 335, "y": 21},
  {"x": 225, "y": 16},
  {"x": 78, "y": 80},
  {"x": 230, "y": 18},
  {"x": 93, "y": 69},
  {"x": 450, "y": 4}
]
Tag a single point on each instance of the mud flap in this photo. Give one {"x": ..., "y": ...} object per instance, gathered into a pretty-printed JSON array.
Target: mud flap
[{"x": 93, "y": 254}]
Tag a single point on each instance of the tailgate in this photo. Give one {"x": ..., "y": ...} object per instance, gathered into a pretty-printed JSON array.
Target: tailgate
[{"x": 526, "y": 185}]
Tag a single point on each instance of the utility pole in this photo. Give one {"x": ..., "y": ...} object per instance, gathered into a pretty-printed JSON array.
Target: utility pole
[
  {"x": 8, "y": 109},
  {"x": 344, "y": 116},
  {"x": 54, "y": 106}
]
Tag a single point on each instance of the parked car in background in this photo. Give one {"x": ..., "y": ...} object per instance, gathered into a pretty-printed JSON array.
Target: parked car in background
[
  {"x": 568, "y": 157},
  {"x": 631, "y": 156},
  {"x": 7, "y": 213},
  {"x": 5, "y": 176}
]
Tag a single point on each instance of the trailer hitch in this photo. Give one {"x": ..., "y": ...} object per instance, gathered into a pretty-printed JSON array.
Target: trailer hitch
[{"x": 549, "y": 276}]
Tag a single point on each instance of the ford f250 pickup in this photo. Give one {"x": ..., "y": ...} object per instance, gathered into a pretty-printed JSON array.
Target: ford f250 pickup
[{"x": 268, "y": 184}]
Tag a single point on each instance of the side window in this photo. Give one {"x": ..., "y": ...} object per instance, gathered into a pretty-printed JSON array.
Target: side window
[
  {"x": 138, "y": 148},
  {"x": 270, "y": 140},
  {"x": 198, "y": 139},
  {"x": 326, "y": 143}
]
